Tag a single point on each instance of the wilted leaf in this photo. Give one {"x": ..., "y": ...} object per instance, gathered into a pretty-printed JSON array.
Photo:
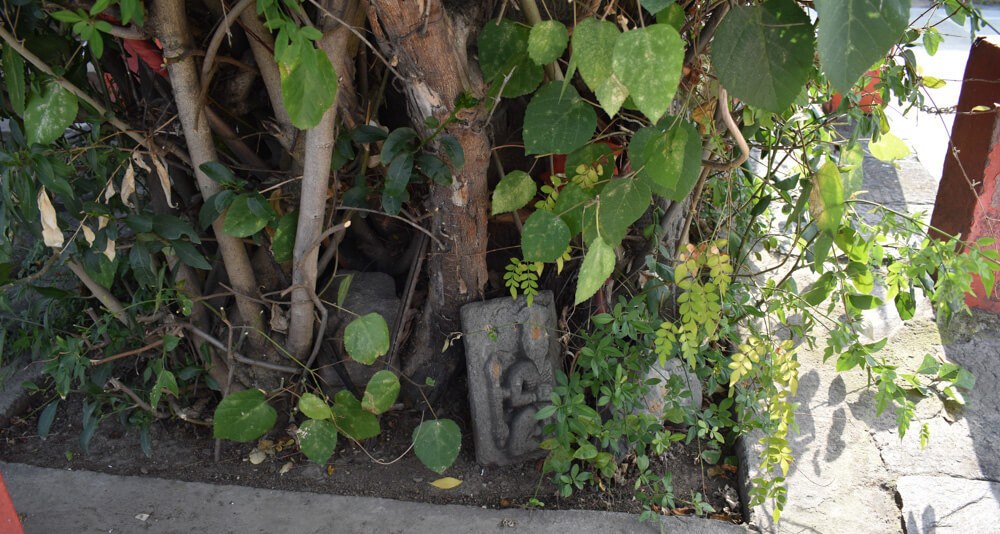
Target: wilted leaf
[
  {"x": 51, "y": 234},
  {"x": 446, "y": 483}
]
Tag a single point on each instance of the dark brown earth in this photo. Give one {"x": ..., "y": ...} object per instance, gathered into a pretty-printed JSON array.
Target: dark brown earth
[{"x": 382, "y": 467}]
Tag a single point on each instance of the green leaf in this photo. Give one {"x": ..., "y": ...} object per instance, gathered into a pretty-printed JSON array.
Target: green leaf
[
  {"x": 929, "y": 366},
  {"x": 673, "y": 161},
  {"x": 864, "y": 302},
  {"x": 45, "y": 419},
  {"x": 854, "y": 177},
  {"x": 545, "y": 237},
  {"x": 932, "y": 39},
  {"x": 889, "y": 148},
  {"x": 557, "y": 121},
  {"x": 854, "y": 34},
  {"x": 763, "y": 54},
  {"x": 381, "y": 392},
  {"x": 283, "y": 242},
  {"x": 588, "y": 155},
  {"x": 453, "y": 149},
  {"x": 654, "y": 6},
  {"x": 351, "y": 419},
  {"x": 861, "y": 275},
  {"x": 569, "y": 207},
  {"x": 672, "y": 15},
  {"x": 595, "y": 270},
  {"x": 826, "y": 200},
  {"x": 906, "y": 305},
  {"x": 164, "y": 380},
  {"x": 218, "y": 172},
  {"x": 513, "y": 192},
  {"x": 621, "y": 203},
  {"x": 172, "y": 227},
  {"x": 547, "y": 41},
  {"x": 244, "y": 416},
  {"x": 503, "y": 51},
  {"x": 648, "y": 62},
  {"x": 820, "y": 290},
  {"x": 241, "y": 220},
  {"x": 13, "y": 74},
  {"x": 366, "y": 133},
  {"x": 188, "y": 254},
  {"x": 592, "y": 39},
  {"x": 318, "y": 439},
  {"x": 434, "y": 169},
  {"x": 397, "y": 176},
  {"x": 214, "y": 206},
  {"x": 437, "y": 443},
  {"x": 399, "y": 141},
  {"x": 314, "y": 407},
  {"x": 308, "y": 87},
  {"x": 343, "y": 289},
  {"x": 67, "y": 16},
  {"x": 366, "y": 338},
  {"x": 46, "y": 116}
]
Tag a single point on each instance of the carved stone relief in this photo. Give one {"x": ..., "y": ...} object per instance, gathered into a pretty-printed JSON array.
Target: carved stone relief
[{"x": 511, "y": 354}]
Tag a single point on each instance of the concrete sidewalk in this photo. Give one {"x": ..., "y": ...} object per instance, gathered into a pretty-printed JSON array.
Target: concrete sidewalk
[{"x": 59, "y": 501}]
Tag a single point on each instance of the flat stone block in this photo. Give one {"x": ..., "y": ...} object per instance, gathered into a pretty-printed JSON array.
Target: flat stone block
[
  {"x": 945, "y": 504},
  {"x": 511, "y": 354}
]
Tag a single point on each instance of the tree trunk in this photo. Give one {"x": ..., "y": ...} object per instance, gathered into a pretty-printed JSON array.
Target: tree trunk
[{"x": 428, "y": 48}]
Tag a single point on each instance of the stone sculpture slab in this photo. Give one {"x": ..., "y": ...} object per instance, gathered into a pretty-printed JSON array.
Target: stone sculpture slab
[{"x": 511, "y": 353}]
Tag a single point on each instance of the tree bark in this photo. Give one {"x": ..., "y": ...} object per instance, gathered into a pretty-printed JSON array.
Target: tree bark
[
  {"x": 170, "y": 22},
  {"x": 428, "y": 47},
  {"x": 316, "y": 180}
]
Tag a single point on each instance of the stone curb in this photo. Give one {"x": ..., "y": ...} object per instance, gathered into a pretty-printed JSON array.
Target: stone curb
[{"x": 53, "y": 500}]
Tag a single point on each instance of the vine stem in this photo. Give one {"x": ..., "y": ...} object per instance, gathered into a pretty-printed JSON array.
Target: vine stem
[{"x": 66, "y": 84}]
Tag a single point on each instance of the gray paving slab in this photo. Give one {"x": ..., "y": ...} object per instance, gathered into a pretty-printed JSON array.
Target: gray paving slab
[
  {"x": 53, "y": 500},
  {"x": 946, "y": 505}
]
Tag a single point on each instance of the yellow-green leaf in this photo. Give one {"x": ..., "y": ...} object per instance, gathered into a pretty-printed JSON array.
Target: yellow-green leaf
[{"x": 446, "y": 483}]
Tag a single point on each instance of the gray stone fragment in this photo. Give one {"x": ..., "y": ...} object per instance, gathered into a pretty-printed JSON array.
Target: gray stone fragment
[
  {"x": 14, "y": 397},
  {"x": 511, "y": 354},
  {"x": 367, "y": 293},
  {"x": 946, "y": 504},
  {"x": 658, "y": 400}
]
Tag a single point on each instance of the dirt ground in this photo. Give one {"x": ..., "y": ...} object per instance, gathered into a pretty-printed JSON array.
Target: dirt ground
[{"x": 381, "y": 467}]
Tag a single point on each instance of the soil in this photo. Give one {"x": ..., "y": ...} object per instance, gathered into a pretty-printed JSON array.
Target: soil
[{"x": 380, "y": 467}]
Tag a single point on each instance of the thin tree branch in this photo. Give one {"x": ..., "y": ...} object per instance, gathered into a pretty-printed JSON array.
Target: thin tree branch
[{"x": 100, "y": 292}]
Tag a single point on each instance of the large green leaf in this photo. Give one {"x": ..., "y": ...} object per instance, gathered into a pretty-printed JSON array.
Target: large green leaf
[
  {"x": 853, "y": 34},
  {"x": 13, "y": 74},
  {"x": 47, "y": 115},
  {"x": 545, "y": 237},
  {"x": 381, "y": 392},
  {"x": 648, "y": 62},
  {"x": 244, "y": 416},
  {"x": 547, "y": 41},
  {"x": 503, "y": 51},
  {"x": 308, "y": 87},
  {"x": 826, "y": 200},
  {"x": 592, "y": 39},
  {"x": 622, "y": 202},
  {"x": 352, "y": 419},
  {"x": 513, "y": 192},
  {"x": 557, "y": 121},
  {"x": 763, "y": 54},
  {"x": 673, "y": 160},
  {"x": 367, "y": 338},
  {"x": 569, "y": 207},
  {"x": 246, "y": 215},
  {"x": 597, "y": 267},
  {"x": 318, "y": 439},
  {"x": 437, "y": 443}
]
